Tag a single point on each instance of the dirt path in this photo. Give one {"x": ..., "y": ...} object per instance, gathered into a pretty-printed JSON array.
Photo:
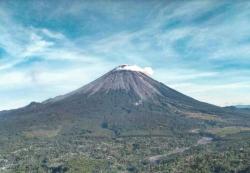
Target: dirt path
[{"x": 158, "y": 158}]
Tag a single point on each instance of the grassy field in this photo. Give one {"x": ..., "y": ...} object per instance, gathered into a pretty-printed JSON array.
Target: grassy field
[{"x": 228, "y": 130}]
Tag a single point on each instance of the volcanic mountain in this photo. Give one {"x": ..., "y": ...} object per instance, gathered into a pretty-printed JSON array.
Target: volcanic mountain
[{"x": 124, "y": 101}]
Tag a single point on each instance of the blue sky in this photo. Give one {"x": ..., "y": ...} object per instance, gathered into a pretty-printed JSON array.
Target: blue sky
[{"x": 200, "y": 48}]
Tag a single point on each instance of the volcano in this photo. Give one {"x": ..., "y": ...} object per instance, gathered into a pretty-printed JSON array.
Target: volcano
[
  {"x": 123, "y": 121},
  {"x": 124, "y": 101}
]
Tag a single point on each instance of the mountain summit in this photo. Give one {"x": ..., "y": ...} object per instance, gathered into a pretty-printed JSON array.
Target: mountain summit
[{"x": 124, "y": 78}]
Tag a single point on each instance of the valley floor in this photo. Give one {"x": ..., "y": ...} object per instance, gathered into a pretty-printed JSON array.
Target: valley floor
[{"x": 186, "y": 153}]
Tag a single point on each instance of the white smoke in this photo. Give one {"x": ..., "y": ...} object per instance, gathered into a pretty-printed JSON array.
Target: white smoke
[{"x": 146, "y": 70}]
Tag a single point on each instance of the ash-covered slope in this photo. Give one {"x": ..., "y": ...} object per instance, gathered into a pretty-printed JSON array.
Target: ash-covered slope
[
  {"x": 117, "y": 80},
  {"x": 122, "y": 101}
]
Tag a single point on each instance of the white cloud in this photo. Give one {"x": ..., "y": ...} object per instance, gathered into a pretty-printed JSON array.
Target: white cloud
[
  {"x": 36, "y": 45},
  {"x": 145, "y": 70},
  {"x": 52, "y": 34},
  {"x": 13, "y": 79},
  {"x": 219, "y": 94}
]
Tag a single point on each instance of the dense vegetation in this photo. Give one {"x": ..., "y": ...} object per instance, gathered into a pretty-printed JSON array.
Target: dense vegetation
[{"x": 142, "y": 153}]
